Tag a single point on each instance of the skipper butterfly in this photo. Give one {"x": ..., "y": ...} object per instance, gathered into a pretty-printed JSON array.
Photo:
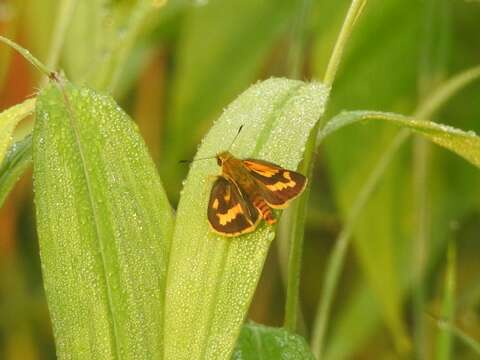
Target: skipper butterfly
[{"x": 246, "y": 192}]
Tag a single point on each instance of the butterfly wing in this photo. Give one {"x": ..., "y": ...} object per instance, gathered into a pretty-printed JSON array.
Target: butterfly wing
[
  {"x": 278, "y": 185},
  {"x": 229, "y": 213}
]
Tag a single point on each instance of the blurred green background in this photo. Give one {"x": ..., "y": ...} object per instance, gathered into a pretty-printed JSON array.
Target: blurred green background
[{"x": 173, "y": 66}]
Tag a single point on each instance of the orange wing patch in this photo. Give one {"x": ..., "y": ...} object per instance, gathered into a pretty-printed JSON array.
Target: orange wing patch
[
  {"x": 230, "y": 215},
  {"x": 264, "y": 170},
  {"x": 281, "y": 185}
]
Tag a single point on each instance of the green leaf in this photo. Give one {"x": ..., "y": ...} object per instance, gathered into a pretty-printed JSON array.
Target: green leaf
[
  {"x": 8, "y": 121},
  {"x": 16, "y": 162},
  {"x": 211, "y": 279},
  {"x": 104, "y": 225},
  {"x": 264, "y": 343},
  {"x": 464, "y": 144}
]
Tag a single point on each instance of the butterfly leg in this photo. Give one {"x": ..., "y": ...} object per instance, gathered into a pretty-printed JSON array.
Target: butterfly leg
[{"x": 265, "y": 210}]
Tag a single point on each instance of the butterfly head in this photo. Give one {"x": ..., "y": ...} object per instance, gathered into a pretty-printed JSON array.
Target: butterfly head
[{"x": 223, "y": 157}]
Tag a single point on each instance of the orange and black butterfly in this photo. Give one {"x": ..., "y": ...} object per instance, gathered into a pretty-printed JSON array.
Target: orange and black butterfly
[{"x": 247, "y": 191}]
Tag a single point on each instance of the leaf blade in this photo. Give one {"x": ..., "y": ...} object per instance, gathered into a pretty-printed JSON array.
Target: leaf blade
[
  {"x": 220, "y": 275},
  {"x": 103, "y": 223},
  {"x": 464, "y": 144}
]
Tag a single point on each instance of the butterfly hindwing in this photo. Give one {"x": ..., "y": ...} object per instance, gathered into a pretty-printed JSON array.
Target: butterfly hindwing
[
  {"x": 278, "y": 186},
  {"x": 229, "y": 214}
]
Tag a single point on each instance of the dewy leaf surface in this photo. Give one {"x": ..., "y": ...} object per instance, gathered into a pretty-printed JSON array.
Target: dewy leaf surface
[
  {"x": 211, "y": 279},
  {"x": 267, "y": 343},
  {"x": 104, "y": 225},
  {"x": 463, "y": 143},
  {"x": 8, "y": 121}
]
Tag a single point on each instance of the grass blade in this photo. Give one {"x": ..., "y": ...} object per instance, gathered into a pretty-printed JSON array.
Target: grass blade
[
  {"x": 211, "y": 279},
  {"x": 464, "y": 144},
  {"x": 104, "y": 225}
]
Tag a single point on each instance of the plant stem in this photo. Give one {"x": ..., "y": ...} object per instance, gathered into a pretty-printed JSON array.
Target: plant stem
[
  {"x": 27, "y": 55},
  {"x": 337, "y": 257},
  {"x": 353, "y": 13},
  {"x": 425, "y": 110},
  {"x": 444, "y": 338},
  {"x": 299, "y": 209},
  {"x": 294, "y": 64},
  {"x": 446, "y": 91}
]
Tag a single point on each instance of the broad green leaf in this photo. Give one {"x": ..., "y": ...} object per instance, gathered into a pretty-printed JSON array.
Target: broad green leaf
[
  {"x": 266, "y": 343},
  {"x": 16, "y": 162},
  {"x": 104, "y": 225},
  {"x": 8, "y": 121},
  {"x": 211, "y": 279},
  {"x": 465, "y": 144},
  {"x": 112, "y": 28},
  {"x": 240, "y": 35}
]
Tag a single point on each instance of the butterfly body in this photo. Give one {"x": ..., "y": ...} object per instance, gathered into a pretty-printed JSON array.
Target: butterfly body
[{"x": 247, "y": 191}]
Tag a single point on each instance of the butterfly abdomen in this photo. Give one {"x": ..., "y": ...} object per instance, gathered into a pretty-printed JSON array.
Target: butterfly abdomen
[{"x": 264, "y": 209}]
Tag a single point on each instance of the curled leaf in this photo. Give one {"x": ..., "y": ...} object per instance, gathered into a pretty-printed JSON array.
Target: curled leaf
[
  {"x": 16, "y": 162},
  {"x": 8, "y": 121},
  {"x": 463, "y": 143}
]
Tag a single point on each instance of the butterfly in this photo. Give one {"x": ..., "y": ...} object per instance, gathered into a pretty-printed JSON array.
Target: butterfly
[{"x": 247, "y": 191}]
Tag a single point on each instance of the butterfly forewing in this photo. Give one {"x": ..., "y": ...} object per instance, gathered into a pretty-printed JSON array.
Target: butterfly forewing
[
  {"x": 278, "y": 186},
  {"x": 229, "y": 213}
]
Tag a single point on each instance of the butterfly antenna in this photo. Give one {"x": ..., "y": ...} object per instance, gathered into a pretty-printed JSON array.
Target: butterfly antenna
[{"x": 236, "y": 136}]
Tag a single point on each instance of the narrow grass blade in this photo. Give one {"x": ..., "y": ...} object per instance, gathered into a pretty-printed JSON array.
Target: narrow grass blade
[
  {"x": 8, "y": 121},
  {"x": 464, "y": 144},
  {"x": 211, "y": 279},
  {"x": 16, "y": 162},
  {"x": 258, "y": 342},
  {"x": 104, "y": 225}
]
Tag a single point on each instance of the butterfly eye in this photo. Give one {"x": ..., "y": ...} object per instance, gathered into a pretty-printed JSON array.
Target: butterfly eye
[{"x": 219, "y": 161}]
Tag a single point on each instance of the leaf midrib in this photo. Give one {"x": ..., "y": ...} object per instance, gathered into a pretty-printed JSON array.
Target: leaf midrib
[{"x": 73, "y": 122}]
